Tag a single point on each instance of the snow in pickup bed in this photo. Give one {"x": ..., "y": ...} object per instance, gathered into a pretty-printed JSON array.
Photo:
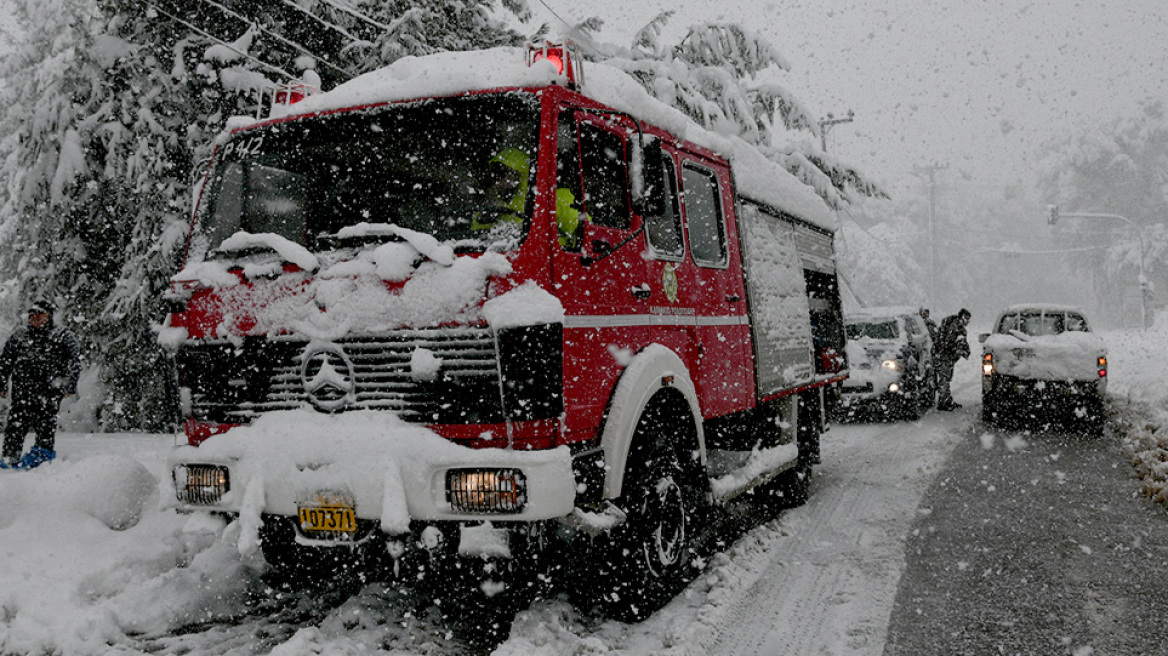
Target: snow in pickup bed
[{"x": 1067, "y": 356}]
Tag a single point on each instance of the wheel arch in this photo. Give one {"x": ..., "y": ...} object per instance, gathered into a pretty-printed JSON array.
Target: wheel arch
[{"x": 653, "y": 371}]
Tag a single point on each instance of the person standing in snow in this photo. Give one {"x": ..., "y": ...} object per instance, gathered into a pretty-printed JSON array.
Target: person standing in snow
[
  {"x": 951, "y": 345},
  {"x": 930, "y": 324},
  {"x": 43, "y": 363}
]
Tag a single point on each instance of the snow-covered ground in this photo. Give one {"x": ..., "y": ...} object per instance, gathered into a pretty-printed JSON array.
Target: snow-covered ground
[{"x": 91, "y": 562}]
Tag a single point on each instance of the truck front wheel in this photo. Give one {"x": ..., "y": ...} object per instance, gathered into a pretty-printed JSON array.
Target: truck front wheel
[{"x": 640, "y": 565}]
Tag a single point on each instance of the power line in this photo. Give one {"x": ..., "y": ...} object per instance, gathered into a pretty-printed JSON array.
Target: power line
[
  {"x": 295, "y": 46},
  {"x": 549, "y": 8},
  {"x": 223, "y": 43},
  {"x": 337, "y": 28},
  {"x": 353, "y": 12}
]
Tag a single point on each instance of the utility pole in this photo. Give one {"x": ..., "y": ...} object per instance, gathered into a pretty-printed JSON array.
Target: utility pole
[
  {"x": 931, "y": 172},
  {"x": 829, "y": 122},
  {"x": 1053, "y": 214}
]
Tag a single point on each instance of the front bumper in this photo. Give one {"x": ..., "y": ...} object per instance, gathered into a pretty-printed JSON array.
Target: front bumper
[{"x": 389, "y": 474}]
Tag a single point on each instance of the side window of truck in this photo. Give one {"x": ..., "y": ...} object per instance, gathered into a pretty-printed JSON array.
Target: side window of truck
[
  {"x": 664, "y": 231},
  {"x": 606, "y": 181},
  {"x": 568, "y": 195},
  {"x": 703, "y": 215}
]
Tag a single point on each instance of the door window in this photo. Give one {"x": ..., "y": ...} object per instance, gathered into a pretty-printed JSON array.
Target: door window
[
  {"x": 664, "y": 231},
  {"x": 606, "y": 182},
  {"x": 703, "y": 213}
]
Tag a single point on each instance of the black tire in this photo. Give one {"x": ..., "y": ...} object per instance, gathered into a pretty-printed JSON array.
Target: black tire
[
  {"x": 1096, "y": 415},
  {"x": 989, "y": 410},
  {"x": 792, "y": 488},
  {"x": 641, "y": 564}
]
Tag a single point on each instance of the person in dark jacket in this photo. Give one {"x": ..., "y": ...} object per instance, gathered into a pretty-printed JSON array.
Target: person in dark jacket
[
  {"x": 951, "y": 345},
  {"x": 43, "y": 364},
  {"x": 929, "y": 324}
]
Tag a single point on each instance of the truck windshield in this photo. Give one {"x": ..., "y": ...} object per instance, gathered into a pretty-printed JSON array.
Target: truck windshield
[
  {"x": 873, "y": 330},
  {"x": 459, "y": 169}
]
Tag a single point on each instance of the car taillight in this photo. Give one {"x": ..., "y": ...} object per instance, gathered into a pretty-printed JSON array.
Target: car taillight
[
  {"x": 1102, "y": 362},
  {"x": 987, "y": 364}
]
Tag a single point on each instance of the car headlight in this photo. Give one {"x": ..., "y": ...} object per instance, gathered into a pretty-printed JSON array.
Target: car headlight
[
  {"x": 201, "y": 484},
  {"x": 894, "y": 365}
]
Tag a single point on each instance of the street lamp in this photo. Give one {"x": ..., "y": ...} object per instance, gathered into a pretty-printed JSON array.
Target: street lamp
[
  {"x": 1053, "y": 214},
  {"x": 828, "y": 122}
]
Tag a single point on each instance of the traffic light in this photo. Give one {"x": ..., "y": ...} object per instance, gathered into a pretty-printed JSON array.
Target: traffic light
[{"x": 1052, "y": 214}]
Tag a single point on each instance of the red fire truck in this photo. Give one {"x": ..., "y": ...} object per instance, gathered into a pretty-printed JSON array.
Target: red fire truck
[{"x": 474, "y": 306}]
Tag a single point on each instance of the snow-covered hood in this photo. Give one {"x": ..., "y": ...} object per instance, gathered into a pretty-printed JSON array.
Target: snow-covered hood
[
  {"x": 1067, "y": 356},
  {"x": 398, "y": 284}
]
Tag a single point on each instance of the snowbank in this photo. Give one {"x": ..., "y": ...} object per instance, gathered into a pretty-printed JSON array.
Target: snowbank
[
  {"x": 1140, "y": 402},
  {"x": 89, "y": 559}
]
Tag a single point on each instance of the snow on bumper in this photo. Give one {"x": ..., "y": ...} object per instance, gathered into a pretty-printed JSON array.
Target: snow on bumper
[{"x": 390, "y": 471}]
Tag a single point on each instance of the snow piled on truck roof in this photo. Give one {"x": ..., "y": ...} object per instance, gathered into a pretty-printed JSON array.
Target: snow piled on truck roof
[{"x": 451, "y": 73}]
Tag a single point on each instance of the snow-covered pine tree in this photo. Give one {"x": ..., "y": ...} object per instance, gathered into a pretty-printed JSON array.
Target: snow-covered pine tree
[
  {"x": 399, "y": 28},
  {"x": 720, "y": 76},
  {"x": 112, "y": 107},
  {"x": 95, "y": 169}
]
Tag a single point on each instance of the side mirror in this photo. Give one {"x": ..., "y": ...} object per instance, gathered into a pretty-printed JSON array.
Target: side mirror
[
  {"x": 983, "y": 337},
  {"x": 648, "y": 188}
]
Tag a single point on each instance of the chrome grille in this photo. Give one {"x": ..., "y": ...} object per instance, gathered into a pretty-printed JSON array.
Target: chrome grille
[{"x": 381, "y": 374}]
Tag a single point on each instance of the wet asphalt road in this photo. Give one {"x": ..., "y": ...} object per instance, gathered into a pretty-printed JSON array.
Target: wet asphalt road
[{"x": 1034, "y": 544}]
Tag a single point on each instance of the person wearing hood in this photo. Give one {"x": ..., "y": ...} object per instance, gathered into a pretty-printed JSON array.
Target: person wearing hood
[
  {"x": 43, "y": 363},
  {"x": 951, "y": 345}
]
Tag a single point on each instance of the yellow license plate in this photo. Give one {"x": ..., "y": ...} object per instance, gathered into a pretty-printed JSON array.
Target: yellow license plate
[{"x": 341, "y": 519}]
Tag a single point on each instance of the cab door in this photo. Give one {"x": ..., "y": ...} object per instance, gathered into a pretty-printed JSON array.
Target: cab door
[
  {"x": 598, "y": 270},
  {"x": 711, "y": 283}
]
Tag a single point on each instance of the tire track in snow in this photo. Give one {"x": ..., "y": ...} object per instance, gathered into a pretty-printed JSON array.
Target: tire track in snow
[{"x": 828, "y": 579}]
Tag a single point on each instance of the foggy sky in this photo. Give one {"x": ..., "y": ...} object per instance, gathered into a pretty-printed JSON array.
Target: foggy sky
[{"x": 976, "y": 86}]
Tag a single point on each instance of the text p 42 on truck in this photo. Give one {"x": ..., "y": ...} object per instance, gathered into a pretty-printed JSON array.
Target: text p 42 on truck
[{"x": 469, "y": 310}]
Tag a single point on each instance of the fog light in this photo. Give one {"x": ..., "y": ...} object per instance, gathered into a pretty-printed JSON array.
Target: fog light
[
  {"x": 201, "y": 484},
  {"x": 486, "y": 490}
]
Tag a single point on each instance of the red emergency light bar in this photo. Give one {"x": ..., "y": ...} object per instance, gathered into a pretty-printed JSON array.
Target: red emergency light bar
[
  {"x": 564, "y": 56},
  {"x": 292, "y": 92}
]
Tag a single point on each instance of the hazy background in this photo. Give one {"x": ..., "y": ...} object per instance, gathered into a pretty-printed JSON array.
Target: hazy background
[
  {"x": 978, "y": 85},
  {"x": 955, "y": 104}
]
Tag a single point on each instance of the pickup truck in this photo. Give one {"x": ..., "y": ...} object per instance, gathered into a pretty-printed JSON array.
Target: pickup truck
[{"x": 1042, "y": 363}]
